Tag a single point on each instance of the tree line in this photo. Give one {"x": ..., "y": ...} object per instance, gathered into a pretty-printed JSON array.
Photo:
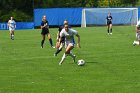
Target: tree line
[{"x": 22, "y": 10}]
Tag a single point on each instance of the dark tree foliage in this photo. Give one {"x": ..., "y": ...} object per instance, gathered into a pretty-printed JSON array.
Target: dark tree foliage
[{"x": 22, "y": 10}]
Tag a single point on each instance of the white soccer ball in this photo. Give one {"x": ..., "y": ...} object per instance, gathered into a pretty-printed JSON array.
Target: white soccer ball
[{"x": 81, "y": 62}]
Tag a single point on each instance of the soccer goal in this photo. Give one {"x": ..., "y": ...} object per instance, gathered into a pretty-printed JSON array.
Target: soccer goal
[{"x": 97, "y": 16}]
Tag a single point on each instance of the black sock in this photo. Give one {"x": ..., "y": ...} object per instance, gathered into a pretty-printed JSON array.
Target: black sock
[
  {"x": 108, "y": 30},
  {"x": 111, "y": 30},
  {"x": 58, "y": 50},
  {"x": 42, "y": 42},
  {"x": 11, "y": 36},
  {"x": 51, "y": 42}
]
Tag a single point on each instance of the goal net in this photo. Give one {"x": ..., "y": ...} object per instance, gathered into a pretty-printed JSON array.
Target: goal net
[{"x": 97, "y": 16}]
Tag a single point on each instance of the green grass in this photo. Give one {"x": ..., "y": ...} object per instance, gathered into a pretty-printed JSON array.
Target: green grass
[{"x": 112, "y": 63}]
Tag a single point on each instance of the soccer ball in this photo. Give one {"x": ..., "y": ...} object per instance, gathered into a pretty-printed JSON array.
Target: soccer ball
[{"x": 81, "y": 62}]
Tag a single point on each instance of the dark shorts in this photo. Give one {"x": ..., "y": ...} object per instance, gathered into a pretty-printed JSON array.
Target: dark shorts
[
  {"x": 109, "y": 22},
  {"x": 44, "y": 32},
  {"x": 63, "y": 40}
]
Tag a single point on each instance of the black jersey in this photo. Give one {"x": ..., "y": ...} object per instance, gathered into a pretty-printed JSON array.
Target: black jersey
[
  {"x": 45, "y": 23},
  {"x": 109, "y": 18},
  {"x": 45, "y": 30}
]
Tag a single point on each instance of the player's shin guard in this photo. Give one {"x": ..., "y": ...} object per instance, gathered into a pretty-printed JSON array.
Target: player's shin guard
[
  {"x": 63, "y": 58},
  {"x": 50, "y": 40}
]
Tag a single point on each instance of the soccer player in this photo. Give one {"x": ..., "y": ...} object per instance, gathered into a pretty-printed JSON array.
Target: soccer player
[
  {"x": 62, "y": 42},
  {"x": 12, "y": 26},
  {"x": 69, "y": 35},
  {"x": 109, "y": 23},
  {"x": 137, "y": 41},
  {"x": 45, "y": 31}
]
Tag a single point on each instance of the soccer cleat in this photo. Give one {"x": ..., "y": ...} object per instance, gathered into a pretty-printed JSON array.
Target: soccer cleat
[
  {"x": 134, "y": 44},
  {"x": 55, "y": 55},
  {"x": 53, "y": 46},
  {"x": 110, "y": 33},
  {"x": 41, "y": 46},
  {"x": 60, "y": 64}
]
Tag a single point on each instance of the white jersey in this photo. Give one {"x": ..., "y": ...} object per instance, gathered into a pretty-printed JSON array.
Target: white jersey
[
  {"x": 11, "y": 24},
  {"x": 69, "y": 36}
]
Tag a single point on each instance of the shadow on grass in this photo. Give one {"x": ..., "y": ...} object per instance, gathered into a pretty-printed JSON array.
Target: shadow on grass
[{"x": 91, "y": 62}]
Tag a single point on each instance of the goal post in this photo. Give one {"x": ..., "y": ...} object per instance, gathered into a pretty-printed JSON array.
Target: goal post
[{"x": 97, "y": 16}]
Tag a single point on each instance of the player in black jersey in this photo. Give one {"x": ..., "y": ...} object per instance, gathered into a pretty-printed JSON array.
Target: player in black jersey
[
  {"x": 45, "y": 31},
  {"x": 109, "y": 23},
  {"x": 59, "y": 48}
]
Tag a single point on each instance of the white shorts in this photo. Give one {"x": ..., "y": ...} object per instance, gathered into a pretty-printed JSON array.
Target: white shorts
[
  {"x": 11, "y": 29},
  {"x": 68, "y": 43}
]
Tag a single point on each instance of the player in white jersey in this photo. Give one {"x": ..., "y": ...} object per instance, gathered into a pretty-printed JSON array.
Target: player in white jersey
[
  {"x": 69, "y": 35},
  {"x": 137, "y": 41},
  {"x": 12, "y": 26}
]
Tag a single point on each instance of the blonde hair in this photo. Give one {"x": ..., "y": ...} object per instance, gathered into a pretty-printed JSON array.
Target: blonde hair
[{"x": 43, "y": 18}]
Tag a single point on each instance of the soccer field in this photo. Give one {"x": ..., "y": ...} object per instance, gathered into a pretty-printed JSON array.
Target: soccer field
[{"x": 112, "y": 63}]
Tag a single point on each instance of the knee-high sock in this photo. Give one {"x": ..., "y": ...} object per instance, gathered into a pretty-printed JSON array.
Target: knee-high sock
[
  {"x": 42, "y": 42},
  {"x": 11, "y": 36},
  {"x": 111, "y": 30},
  {"x": 108, "y": 30},
  {"x": 50, "y": 40},
  {"x": 63, "y": 58},
  {"x": 58, "y": 50}
]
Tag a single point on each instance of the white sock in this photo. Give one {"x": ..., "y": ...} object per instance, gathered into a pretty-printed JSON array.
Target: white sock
[
  {"x": 136, "y": 42},
  {"x": 63, "y": 58}
]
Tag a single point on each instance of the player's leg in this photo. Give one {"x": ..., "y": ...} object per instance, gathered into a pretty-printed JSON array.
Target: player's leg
[
  {"x": 50, "y": 40},
  {"x": 136, "y": 42},
  {"x": 110, "y": 28},
  {"x": 59, "y": 49},
  {"x": 43, "y": 39},
  {"x": 73, "y": 56},
  {"x": 12, "y": 34},
  {"x": 67, "y": 53},
  {"x": 139, "y": 42}
]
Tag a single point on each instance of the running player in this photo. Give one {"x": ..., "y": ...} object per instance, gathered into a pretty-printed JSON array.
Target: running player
[
  {"x": 62, "y": 42},
  {"x": 45, "y": 31},
  {"x": 137, "y": 41},
  {"x": 69, "y": 35},
  {"x": 12, "y": 26},
  {"x": 109, "y": 23}
]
